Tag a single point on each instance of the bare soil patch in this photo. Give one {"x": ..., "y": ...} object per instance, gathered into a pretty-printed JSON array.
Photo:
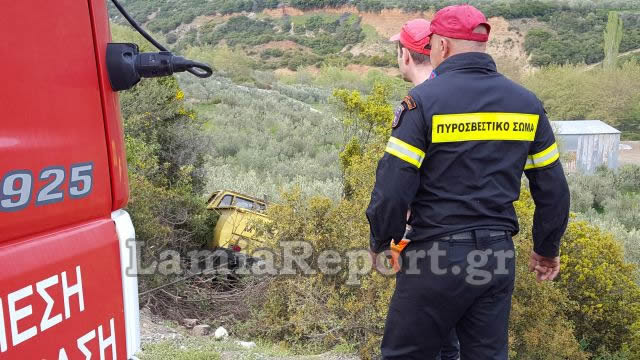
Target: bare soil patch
[{"x": 631, "y": 156}]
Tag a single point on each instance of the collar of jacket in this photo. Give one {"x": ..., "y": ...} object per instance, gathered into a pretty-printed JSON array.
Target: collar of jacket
[{"x": 470, "y": 60}]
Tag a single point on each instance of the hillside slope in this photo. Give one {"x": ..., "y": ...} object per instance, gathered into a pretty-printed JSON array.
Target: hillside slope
[{"x": 506, "y": 43}]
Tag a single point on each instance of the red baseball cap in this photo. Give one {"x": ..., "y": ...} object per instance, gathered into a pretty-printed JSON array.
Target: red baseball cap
[
  {"x": 458, "y": 22},
  {"x": 414, "y": 36}
]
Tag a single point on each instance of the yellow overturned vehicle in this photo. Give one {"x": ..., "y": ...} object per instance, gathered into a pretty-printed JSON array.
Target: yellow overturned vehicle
[{"x": 235, "y": 230}]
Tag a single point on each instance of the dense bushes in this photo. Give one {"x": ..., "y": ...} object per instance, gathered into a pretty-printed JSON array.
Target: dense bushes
[
  {"x": 592, "y": 309},
  {"x": 239, "y": 30},
  {"x": 324, "y": 35},
  {"x": 575, "y": 36},
  {"x": 602, "y": 289},
  {"x": 166, "y": 15},
  {"x": 166, "y": 154}
]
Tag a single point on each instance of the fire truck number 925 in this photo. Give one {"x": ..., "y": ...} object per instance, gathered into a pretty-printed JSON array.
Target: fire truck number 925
[{"x": 17, "y": 187}]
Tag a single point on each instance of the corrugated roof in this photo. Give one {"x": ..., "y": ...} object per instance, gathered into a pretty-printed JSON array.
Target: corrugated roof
[{"x": 579, "y": 127}]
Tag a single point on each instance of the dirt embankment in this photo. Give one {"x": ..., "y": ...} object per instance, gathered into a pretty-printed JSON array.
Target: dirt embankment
[
  {"x": 387, "y": 22},
  {"x": 506, "y": 42}
]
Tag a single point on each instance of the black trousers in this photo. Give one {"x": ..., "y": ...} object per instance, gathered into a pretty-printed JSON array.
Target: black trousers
[{"x": 464, "y": 285}]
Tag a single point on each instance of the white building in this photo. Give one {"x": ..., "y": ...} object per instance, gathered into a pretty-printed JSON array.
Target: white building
[{"x": 586, "y": 145}]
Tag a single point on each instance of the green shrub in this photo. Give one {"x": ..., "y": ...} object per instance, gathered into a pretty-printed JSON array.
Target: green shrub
[{"x": 605, "y": 298}]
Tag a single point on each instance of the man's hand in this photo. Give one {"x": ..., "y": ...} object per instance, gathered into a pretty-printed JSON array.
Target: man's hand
[{"x": 545, "y": 268}]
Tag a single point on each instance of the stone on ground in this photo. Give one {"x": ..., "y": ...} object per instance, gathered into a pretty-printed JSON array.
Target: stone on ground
[
  {"x": 201, "y": 330},
  {"x": 220, "y": 333}
]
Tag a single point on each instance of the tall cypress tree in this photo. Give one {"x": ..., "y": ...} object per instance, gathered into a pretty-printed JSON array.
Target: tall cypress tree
[{"x": 612, "y": 39}]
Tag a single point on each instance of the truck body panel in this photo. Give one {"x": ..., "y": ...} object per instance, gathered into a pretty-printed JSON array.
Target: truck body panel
[
  {"x": 52, "y": 119},
  {"x": 66, "y": 249},
  {"x": 62, "y": 292}
]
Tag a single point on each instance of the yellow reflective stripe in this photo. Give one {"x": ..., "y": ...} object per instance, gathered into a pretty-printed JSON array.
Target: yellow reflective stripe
[
  {"x": 407, "y": 146},
  {"x": 545, "y": 152},
  {"x": 484, "y": 126},
  {"x": 404, "y": 151},
  {"x": 543, "y": 158}
]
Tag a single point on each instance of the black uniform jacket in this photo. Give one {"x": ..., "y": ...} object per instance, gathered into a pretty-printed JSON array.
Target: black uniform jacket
[{"x": 456, "y": 155}]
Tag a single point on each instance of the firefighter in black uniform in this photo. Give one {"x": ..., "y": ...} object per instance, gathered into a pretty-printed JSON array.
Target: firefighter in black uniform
[
  {"x": 455, "y": 159},
  {"x": 415, "y": 67}
]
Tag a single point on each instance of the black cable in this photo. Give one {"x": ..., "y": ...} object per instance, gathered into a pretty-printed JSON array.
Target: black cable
[
  {"x": 137, "y": 27},
  {"x": 192, "y": 65}
]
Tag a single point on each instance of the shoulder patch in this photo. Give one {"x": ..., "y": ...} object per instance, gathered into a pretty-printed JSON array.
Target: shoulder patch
[
  {"x": 397, "y": 115},
  {"x": 407, "y": 104},
  {"x": 411, "y": 104}
]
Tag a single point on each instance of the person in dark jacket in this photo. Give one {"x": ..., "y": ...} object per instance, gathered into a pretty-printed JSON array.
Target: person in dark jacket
[
  {"x": 455, "y": 159},
  {"x": 415, "y": 66}
]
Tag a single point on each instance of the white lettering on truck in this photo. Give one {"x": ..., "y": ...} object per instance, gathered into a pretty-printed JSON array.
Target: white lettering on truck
[
  {"x": 103, "y": 343},
  {"x": 47, "y": 320},
  {"x": 62, "y": 355},
  {"x": 82, "y": 343},
  {"x": 16, "y": 314},
  {"x": 73, "y": 290},
  {"x": 108, "y": 342},
  {"x": 19, "y": 314}
]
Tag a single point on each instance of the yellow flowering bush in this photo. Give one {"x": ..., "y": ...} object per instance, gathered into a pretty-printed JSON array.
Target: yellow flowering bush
[{"x": 603, "y": 292}]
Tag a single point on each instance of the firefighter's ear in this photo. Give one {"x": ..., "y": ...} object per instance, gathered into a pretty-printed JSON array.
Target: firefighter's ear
[
  {"x": 445, "y": 47},
  {"x": 406, "y": 56},
  {"x": 448, "y": 47}
]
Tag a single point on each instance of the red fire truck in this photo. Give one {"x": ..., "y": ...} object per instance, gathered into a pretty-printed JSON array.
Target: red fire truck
[{"x": 68, "y": 288}]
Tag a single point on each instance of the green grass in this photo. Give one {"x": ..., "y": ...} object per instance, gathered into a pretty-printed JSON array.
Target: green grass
[
  {"x": 206, "y": 348},
  {"x": 187, "y": 350},
  {"x": 370, "y": 34}
]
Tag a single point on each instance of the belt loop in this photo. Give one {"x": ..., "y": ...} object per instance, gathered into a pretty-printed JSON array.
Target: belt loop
[{"x": 482, "y": 238}]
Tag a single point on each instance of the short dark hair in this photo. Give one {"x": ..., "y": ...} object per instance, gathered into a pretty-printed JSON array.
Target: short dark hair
[{"x": 417, "y": 57}]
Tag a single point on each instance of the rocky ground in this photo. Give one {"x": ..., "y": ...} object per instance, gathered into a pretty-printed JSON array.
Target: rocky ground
[{"x": 164, "y": 340}]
